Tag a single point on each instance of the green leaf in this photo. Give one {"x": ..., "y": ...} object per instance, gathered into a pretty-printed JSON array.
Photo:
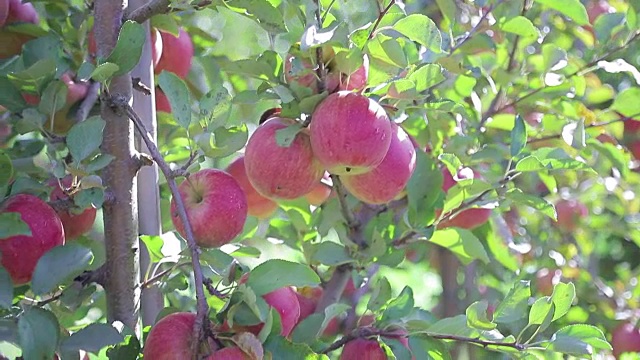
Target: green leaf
[
  {"x": 521, "y": 26},
  {"x": 92, "y": 338},
  {"x": 223, "y": 141},
  {"x": 314, "y": 37},
  {"x": 424, "y": 190},
  {"x": 178, "y": 95},
  {"x": 6, "y": 289},
  {"x": 514, "y": 304},
  {"x": 456, "y": 325},
  {"x": 128, "y": 49},
  {"x": 421, "y": 29},
  {"x": 268, "y": 16},
  {"x": 614, "y": 154},
  {"x": 11, "y": 224},
  {"x": 562, "y": 297},
  {"x": 85, "y": 138},
  {"x": 6, "y": 170},
  {"x": 53, "y": 98},
  {"x": 448, "y": 9},
  {"x": 541, "y": 312},
  {"x": 461, "y": 242},
  {"x": 626, "y": 102},
  {"x": 58, "y": 266},
  {"x": 274, "y": 274},
  {"x": 216, "y": 106},
  {"x": 10, "y": 97},
  {"x": 284, "y": 137},
  {"x": 424, "y": 348},
  {"x": 426, "y": 76},
  {"x": 330, "y": 253},
  {"x": 550, "y": 159},
  {"x": 380, "y": 295},
  {"x": 399, "y": 307},
  {"x": 518, "y": 136},
  {"x": 534, "y": 202},
  {"x": 477, "y": 316},
  {"x": 572, "y": 9},
  {"x": 282, "y": 348},
  {"x": 605, "y": 24},
  {"x": 587, "y": 334},
  {"x": 38, "y": 333},
  {"x": 574, "y": 134},
  {"x": 104, "y": 72},
  {"x": 154, "y": 245},
  {"x": 35, "y": 77}
]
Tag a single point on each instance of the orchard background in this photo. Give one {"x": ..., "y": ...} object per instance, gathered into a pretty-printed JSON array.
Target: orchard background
[{"x": 509, "y": 228}]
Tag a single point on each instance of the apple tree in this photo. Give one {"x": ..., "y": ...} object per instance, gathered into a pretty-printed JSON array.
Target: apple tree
[{"x": 319, "y": 179}]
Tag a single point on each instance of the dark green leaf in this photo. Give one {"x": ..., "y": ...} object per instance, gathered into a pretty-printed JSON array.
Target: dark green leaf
[
  {"x": 128, "y": 49},
  {"x": 380, "y": 295},
  {"x": 6, "y": 289},
  {"x": 11, "y": 224},
  {"x": 38, "y": 333},
  {"x": 461, "y": 242},
  {"x": 92, "y": 338},
  {"x": 518, "y": 136},
  {"x": 85, "y": 138},
  {"x": 10, "y": 97},
  {"x": 274, "y": 274},
  {"x": 223, "y": 141},
  {"x": 400, "y": 306},
  {"x": 58, "y": 266},
  {"x": 282, "y": 348},
  {"x": 284, "y": 137},
  {"x": 330, "y": 253},
  {"x": 178, "y": 95},
  {"x": 588, "y": 334},
  {"x": 6, "y": 171},
  {"x": 53, "y": 98},
  {"x": 215, "y": 106}
]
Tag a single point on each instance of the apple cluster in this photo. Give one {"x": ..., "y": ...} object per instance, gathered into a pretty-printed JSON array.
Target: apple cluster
[{"x": 49, "y": 228}]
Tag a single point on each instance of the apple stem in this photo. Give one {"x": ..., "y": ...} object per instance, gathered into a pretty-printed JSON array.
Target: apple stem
[{"x": 202, "y": 306}]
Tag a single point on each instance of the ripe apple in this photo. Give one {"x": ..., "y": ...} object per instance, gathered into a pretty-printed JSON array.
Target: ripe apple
[
  {"x": 350, "y": 133},
  {"x": 5, "y": 132},
  {"x": 285, "y": 301},
  {"x": 229, "y": 353},
  {"x": 177, "y": 53},
  {"x": 634, "y": 148},
  {"x": 280, "y": 172},
  {"x": 625, "y": 338},
  {"x": 546, "y": 279},
  {"x": 387, "y": 180},
  {"x": 258, "y": 205},
  {"x": 19, "y": 254},
  {"x": 14, "y": 11},
  {"x": 302, "y": 71},
  {"x": 75, "y": 224},
  {"x": 216, "y": 207},
  {"x": 4, "y": 11},
  {"x": 162, "y": 102},
  {"x": 569, "y": 214},
  {"x": 469, "y": 218},
  {"x": 320, "y": 192},
  {"x": 596, "y": 8},
  {"x": 632, "y": 126},
  {"x": 171, "y": 338},
  {"x": 607, "y": 139},
  {"x": 363, "y": 349},
  {"x": 308, "y": 298}
]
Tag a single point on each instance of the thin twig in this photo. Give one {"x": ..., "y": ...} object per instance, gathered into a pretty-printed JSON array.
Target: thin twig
[
  {"x": 600, "y": 124},
  {"x": 378, "y": 20},
  {"x": 153, "y": 279},
  {"x": 320, "y": 69},
  {"x": 475, "y": 28},
  {"x": 151, "y": 8},
  {"x": 88, "y": 102},
  {"x": 202, "y": 306}
]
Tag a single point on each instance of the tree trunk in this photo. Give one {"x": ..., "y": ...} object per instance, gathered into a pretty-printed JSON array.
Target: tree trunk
[{"x": 121, "y": 214}]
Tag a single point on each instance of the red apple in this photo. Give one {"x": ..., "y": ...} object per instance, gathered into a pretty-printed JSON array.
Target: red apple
[
  {"x": 387, "y": 180},
  {"x": 308, "y": 298},
  {"x": 302, "y": 72},
  {"x": 350, "y": 133},
  {"x": 569, "y": 214},
  {"x": 4, "y": 11},
  {"x": 546, "y": 279},
  {"x": 171, "y": 338},
  {"x": 21, "y": 12},
  {"x": 259, "y": 206},
  {"x": 534, "y": 118},
  {"x": 469, "y": 218},
  {"x": 363, "y": 349},
  {"x": 19, "y": 254},
  {"x": 177, "y": 53},
  {"x": 631, "y": 126},
  {"x": 634, "y": 148},
  {"x": 216, "y": 207},
  {"x": 229, "y": 353},
  {"x": 607, "y": 139},
  {"x": 280, "y": 172},
  {"x": 162, "y": 102},
  {"x": 320, "y": 192},
  {"x": 74, "y": 224},
  {"x": 625, "y": 338},
  {"x": 598, "y": 7}
]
